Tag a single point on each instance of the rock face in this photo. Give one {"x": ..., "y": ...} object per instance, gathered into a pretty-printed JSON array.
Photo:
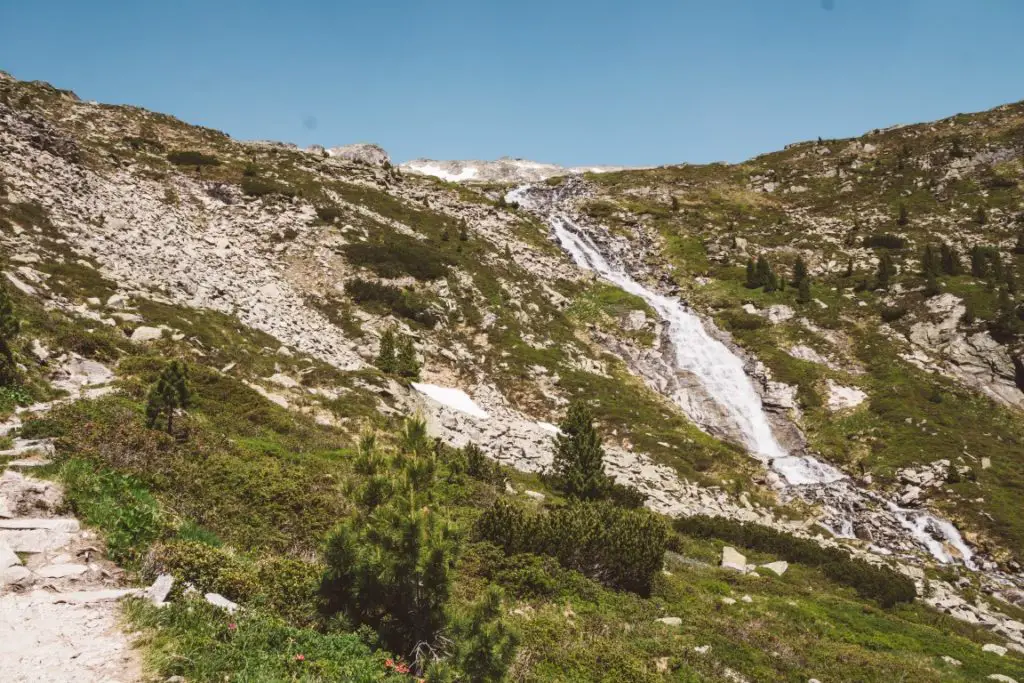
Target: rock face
[{"x": 365, "y": 153}]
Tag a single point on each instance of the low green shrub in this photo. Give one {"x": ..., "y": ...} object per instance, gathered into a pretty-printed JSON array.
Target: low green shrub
[
  {"x": 118, "y": 505},
  {"x": 390, "y": 299},
  {"x": 879, "y": 583},
  {"x": 398, "y": 256},
  {"x": 885, "y": 241},
  {"x": 260, "y": 187},
  {"x": 192, "y": 158},
  {"x": 891, "y": 314},
  {"x": 618, "y": 547}
]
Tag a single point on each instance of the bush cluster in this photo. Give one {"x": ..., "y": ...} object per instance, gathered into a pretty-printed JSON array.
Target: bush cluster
[
  {"x": 192, "y": 158},
  {"x": 883, "y": 584},
  {"x": 399, "y": 256},
  {"x": 884, "y": 241},
  {"x": 619, "y": 547},
  {"x": 390, "y": 299}
]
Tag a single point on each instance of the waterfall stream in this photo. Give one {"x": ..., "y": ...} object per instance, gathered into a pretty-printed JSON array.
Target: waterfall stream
[{"x": 721, "y": 374}]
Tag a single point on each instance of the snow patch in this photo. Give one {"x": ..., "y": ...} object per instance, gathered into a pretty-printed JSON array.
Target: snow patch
[{"x": 453, "y": 398}]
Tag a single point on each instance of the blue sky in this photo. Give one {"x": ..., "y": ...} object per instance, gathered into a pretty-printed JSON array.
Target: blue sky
[{"x": 569, "y": 81}]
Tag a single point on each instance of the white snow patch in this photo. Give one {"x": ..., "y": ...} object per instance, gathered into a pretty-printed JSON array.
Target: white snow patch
[
  {"x": 467, "y": 172},
  {"x": 453, "y": 398}
]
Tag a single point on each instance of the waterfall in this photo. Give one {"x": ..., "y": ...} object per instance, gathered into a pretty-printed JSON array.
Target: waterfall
[{"x": 721, "y": 375}]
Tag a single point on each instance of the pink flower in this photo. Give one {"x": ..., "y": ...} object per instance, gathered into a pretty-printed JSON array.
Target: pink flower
[
  {"x": 300, "y": 657},
  {"x": 402, "y": 668},
  {"x": 232, "y": 626},
  {"x": 389, "y": 663}
]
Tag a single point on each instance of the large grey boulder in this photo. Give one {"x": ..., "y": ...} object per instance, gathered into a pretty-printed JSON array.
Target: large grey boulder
[
  {"x": 363, "y": 152},
  {"x": 733, "y": 559}
]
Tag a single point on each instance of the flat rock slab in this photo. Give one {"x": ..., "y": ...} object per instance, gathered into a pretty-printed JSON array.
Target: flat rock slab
[
  {"x": 66, "y": 525},
  {"x": 28, "y": 463},
  {"x": 61, "y": 571},
  {"x": 34, "y": 540},
  {"x": 779, "y": 567}
]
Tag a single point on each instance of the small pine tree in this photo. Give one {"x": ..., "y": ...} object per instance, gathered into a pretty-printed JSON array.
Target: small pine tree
[
  {"x": 950, "y": 259},
  {"x": 931, "y": 261},
  {"x": 765, "y": 275},
  {"x": 1011, "y": 282},
  {"x": 485, "y": 644},
  {"x": 931, "y": 286},
  {"x": 406, "y": 364},
  {"x": 901, "y": 217},
  {"x": 969, "y": 316},
  {"x": 979, "y": 262},
  {"x": 849, "y": 268},
  {"x": 752, "y": 282},
  {"x": 799, "y": 271},
  {"x": 803, "y": 295},
  {"x": 386, "y": 361},
  {"x": 168, "y": 394},
  {"x": 1007, "y": 324},
  {"x": 463, "y": 233},
  {"x": 886, "y": 270},
  {"x": 675, "y": 204},
  {"x": 980, "y": 216},
  {"x": 391, "y": 569},
  {"x": 579, "y": 457},
  {"x": 996, "y": 263},
  {"x": 10, "y": 326},
  {"x": 445, "y": 236}
]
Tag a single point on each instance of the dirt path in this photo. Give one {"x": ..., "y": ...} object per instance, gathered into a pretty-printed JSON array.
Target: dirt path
[{"x": 58, "y": 594}]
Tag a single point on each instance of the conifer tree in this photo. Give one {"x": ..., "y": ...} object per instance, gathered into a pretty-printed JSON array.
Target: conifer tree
[
  {"x": 979, "y": 262},
  {"x": 752, "y": 282},
  {"x": 463, "y": 233},
  {"x": 765, "y": 276},
  {"x": 406, "y": 364},
  {"x": 10, "y": 326},
  {"x": 579, "y": 457},
  {"x": 168, "y": 394},
  {"x": 1018, "y": 248},
  {"x": 675, "y": 203},
  {"x": 980, "y": 217},
  {"x": 1007, "y": 324},
  {"x": 950, "y": 259},
  {"x": 849, "y": 268},
  {"x": 485, "y": 643},
  {"x": 902, "y": 218},
  {"x": 931, "y": 286},
  {"x": 931, "y": 261},
  {"x": 803, "y": 295},
  {"x": 799, "y": 271},
  {"x": 886, "y": 269},
  {"x": 386, "y": 361},
  {"x": 392, "y": 569}
]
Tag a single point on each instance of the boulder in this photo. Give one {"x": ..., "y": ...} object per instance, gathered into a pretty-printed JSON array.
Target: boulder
[
  {"x": 779, "y": 567},
  {"x": 161, "y": 588},
  {"x": 993, "y": 648},
  {"x": 670, "y": 621},
  {"x": 1002, "y": 678},
  {"x": 733, "y": 559},
  {"x": 218, "y": 600},
  {"x": 951, "y": 661},
  {"x": 62, "y": 571},
  {"x": 144, "y": 334}
]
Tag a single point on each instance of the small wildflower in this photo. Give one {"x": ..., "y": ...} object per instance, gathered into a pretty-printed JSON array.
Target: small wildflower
[
  {"x": 389, "y": 663},
  {"x": 232, "y": 626},
  {"x": 300, "y": 657},
  {"x": 402, "y": 668}
]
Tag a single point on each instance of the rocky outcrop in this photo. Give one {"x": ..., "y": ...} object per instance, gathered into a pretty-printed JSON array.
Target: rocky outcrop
[{"x": 363, "y": 153}]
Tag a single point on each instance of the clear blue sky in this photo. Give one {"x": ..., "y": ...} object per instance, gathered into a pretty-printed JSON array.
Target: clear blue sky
[{"x": 568, "y": 81}]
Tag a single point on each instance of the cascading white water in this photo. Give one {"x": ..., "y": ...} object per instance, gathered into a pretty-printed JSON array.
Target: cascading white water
[
  {"x": 721, "y": 374},
  {"x": 719, "y": 371}
]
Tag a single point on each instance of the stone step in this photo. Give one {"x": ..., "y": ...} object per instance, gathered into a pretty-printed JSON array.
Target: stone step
[
  {"x": 28, "y": 463},
  {"x": 68, "y": 525},
  {"x": 34, "y": 540}
]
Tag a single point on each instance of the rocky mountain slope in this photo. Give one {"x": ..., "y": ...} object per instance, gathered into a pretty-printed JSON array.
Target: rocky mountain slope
[{"x": 129, "y": 237}]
